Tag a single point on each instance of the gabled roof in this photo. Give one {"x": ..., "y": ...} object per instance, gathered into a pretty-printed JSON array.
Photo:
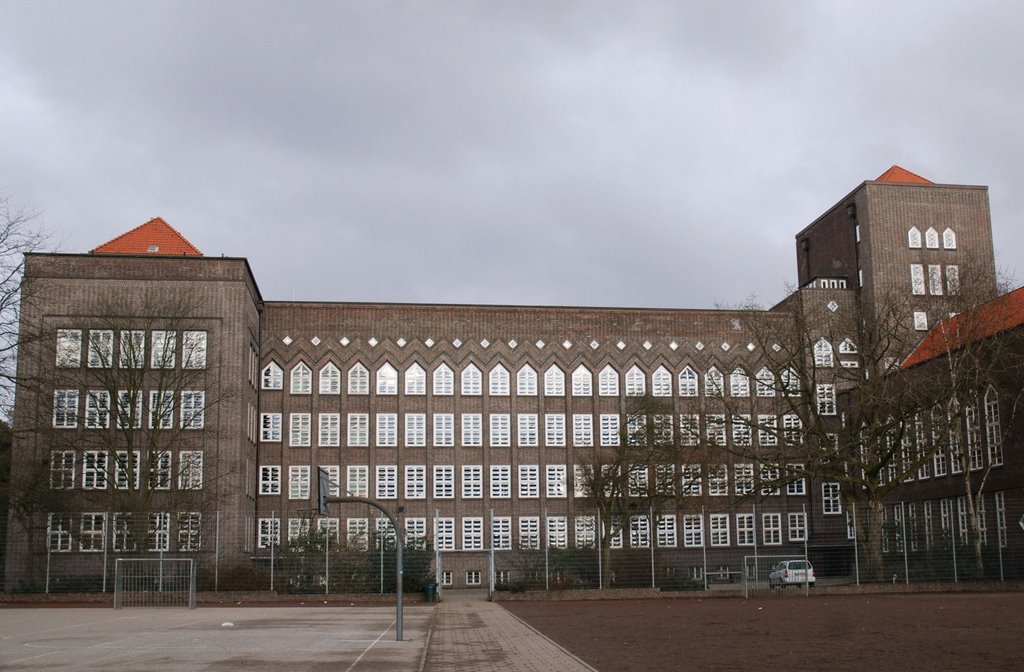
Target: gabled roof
[
  {"x": 998, "y": 315},
  {"x": 154, "y": 237},
  {"x": 897, "y": 174}
]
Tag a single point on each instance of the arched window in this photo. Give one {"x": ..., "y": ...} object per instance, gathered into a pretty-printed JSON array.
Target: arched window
[
  {"x": 914, "y": 237},
  {"x": 472, "y": 381},
  {"x": 636, "y": 382},
  {"x": 949, "y": 239},
  {"x": 791, "y": 382},
  {"x": 582, "y": 382},
  {"x": 931, "y": 239},
  {"x": 387, "y": 380},
  {"x": 415, "y": 380},
  {"x": 499, "y": 385},
  {"x": 526, "y": 382},
  {"x": 444, "y": 381},
  {"x": 739, "y": 383},
  {"x": 301, "y": 379},
  {"x": 993, "y": 431},
  {"x": 714, "y": 383},
  {"x": 765, "y": 383},
  {"x": 554, "y": 382},
  {"x": 688, "y": 383},
  {"x": 823, "y": 354},
  {"x": 273, "y": 377},
  {"x": 330, "y": 379},
  {"x": 608, "y": 382},
  {"x": 661, "y": 382},
  {"x": 358, "y": 379}
]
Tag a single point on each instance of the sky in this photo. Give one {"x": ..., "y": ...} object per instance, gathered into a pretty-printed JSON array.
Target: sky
[{"x": 634, "y": 154}]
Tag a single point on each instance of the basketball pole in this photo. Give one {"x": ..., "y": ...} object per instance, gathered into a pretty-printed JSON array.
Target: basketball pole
[{"x": 323, "y": 505}]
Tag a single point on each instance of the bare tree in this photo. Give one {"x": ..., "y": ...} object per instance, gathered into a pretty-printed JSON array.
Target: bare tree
[
  {"x": 636, "y": 478},
  {"x": 971, "y": 365},
  {"x": 18, "y": 236},
  {"x": 829, "y": 407},
  {"x": 125, "y": 421}
]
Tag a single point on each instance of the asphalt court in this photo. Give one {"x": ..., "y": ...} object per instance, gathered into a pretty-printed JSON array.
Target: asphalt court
[{"x": 345, "y": 639}]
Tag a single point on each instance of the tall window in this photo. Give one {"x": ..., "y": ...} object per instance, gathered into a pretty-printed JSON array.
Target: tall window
[
  {"x": 162, "y": 349},
  {"x": 949, "y": 239},
  {"x": 358, "y": 430},
  {"x": 582, "y": 382},
  {"x": 193, "y": 349},
  {"x": 415, "y": 380},
  {"x": 914, "y": 237},
  {"x": 739, "y": 383},
  {"x": 387, "y": 380},
  {"x": 415, "y": 430},
  {"x": 273, "y": 377},
  {"x": 554, "y": 429},
  {"x": 69, "y": 348},
  {"x": 501, "y": 481},
  {"x": 526, "y": 382},
  {"x": 582, "y": 430},
  {"x": 636, "y": 382},
  {"x": 101, "y": 349},
  {"x": 415, "y": 481},
  {"x": 444, "y": 481},
  {"x": 826, "y": 398},
  {"x": 444, "y": 430},
  {"x": 472, "y": 430},
  {"x": 330, "y": 379},
  {"x": 472, "y": 381},
  {"x": 301, "y": 379},
  {"x": 329, "y": 430},
  {"x": 831, "y": 501},
  {"x": 529, "y": 481},
  {"x": 501, "y": 434},
  {"x": 161, "y": 409},
  {"x": 193, "y": 409},
  {"x": 387, "y": 481},
  {"x": 771, "y": 529},
  {"x": 765, "y": 383},
  {"x": 609, "y": 429},
  {"x": 556, "y": 481},
  {"x": 714, "y": 384},
  {"x": 298, "y": 482},
  {"x": 688, "y": 383},
  {"x": 528, "y": 430},
  {"x": 358, "y": 379},
  {"x": 472, "y": 481},
  {"x": 270, "y": 427},
  {"x": 554, "y": 382},
  {"x": 661, "y": 382},
  {"x": 608, "y": 382},
  {"x": 823, "y": 357},
  {"x": 917, "y": 279},
  {"x": 97, "y": 409},
  {"x": 993, "y": 431},
  {"x": 299, "y": 430},
  {"x": 935, "y": 279},
  {"x": 444, "y": 381},
  {"x": 953, "y": 279},
  {"x": 387, "y": 430},
  {"x": 931, "y": 239},
  {"x": 499, "y": 384}
]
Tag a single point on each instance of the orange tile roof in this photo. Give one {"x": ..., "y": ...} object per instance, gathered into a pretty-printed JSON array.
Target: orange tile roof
[
  {"x": 897, "y": 174},
  {"x": 1000, "y": 314},
  {"x": 154, "y": 237}
]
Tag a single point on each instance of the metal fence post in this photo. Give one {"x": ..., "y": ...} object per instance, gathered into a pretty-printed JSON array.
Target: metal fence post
[
  {"x": 327, "y": 561},
  {"x": 216, "y": 552},
  {"x": 906, "y": 543},
  {"x": 274, "y": 539},
  {"x": 856, "y": 546},
  {"x": 704, "y": 550},
  {"x": 547, "y": 557},
  {"x": 106, "y": 523},
  {"x": 599, "y": 540}
]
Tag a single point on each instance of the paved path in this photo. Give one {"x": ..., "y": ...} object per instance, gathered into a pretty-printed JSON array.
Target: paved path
[{"x": 472, "y": 634}]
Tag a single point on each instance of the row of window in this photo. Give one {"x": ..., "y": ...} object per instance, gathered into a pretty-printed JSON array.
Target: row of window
[
  {"x": 128, "y": 350},
  {"x": 935, "y": 284},
  {"x": 190, "y": 405},
  {"x": 635, "y": 381},
  {"x": 931, "y": 238},
  {"x": 904, "y": 529},
  {"x": 123, "y": 469},
  {"x": 690, "y": 480},
  {"x": 660, "y": 427},
  {"x": 88, "y": 532},
  {"x": 718, "y": 530}
]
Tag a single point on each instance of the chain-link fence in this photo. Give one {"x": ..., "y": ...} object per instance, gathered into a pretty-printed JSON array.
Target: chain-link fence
[{"x": 903, "y": 543}]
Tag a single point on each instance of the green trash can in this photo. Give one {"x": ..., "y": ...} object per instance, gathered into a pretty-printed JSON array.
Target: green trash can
[{"x": 430, "y": 592}]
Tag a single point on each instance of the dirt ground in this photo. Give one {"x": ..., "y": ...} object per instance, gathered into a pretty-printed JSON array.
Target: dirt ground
[{"x": 864, "y": 633}]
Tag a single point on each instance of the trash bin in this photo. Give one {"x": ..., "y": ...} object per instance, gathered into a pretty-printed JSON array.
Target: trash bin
[{"x": 430, "y": 592}]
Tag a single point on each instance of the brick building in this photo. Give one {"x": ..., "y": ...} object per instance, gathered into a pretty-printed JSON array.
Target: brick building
[{"x": 475, "y": 422}]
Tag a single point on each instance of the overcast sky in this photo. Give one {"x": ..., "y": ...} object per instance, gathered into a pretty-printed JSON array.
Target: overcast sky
[{"x": 654, "y": 154}]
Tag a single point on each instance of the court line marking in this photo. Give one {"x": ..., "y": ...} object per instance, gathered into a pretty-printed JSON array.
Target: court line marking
[{"x": 367, "y": 649}]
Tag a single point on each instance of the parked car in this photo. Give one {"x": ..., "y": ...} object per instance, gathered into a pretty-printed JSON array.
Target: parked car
[{"x": 791, "y": 573}]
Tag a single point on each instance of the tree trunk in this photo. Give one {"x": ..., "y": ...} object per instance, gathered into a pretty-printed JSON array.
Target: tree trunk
[{"x": 870, "y": 536}]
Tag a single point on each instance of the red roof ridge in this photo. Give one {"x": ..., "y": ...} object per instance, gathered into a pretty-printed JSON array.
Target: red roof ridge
[
  {"x": 993, "y": 317},
  {"x": 154, "y": 237},
  {"x": 899, "y": 174}
]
